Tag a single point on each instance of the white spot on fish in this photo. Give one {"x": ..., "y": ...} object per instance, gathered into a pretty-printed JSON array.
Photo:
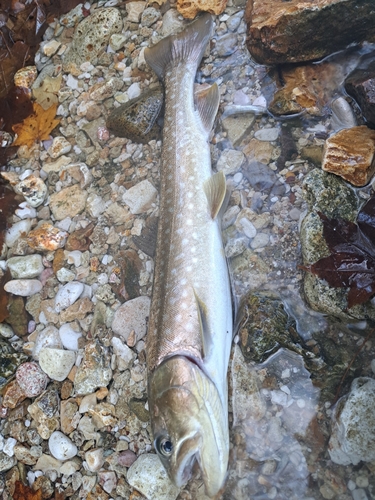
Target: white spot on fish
[
  {"x": 185, "y": 241},
  {"x": 189, "y": 222},
  {"x": 190, "y": 194}
]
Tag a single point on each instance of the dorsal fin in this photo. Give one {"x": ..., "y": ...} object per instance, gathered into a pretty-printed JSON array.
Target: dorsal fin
[
  {"x": 207, "y": 102},
  {"x": 215, "y": 188},
  {"x": 202, "y": 317}
]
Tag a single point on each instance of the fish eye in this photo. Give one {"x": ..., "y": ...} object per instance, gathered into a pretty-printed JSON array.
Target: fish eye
[{"x": 165, "y": 446}]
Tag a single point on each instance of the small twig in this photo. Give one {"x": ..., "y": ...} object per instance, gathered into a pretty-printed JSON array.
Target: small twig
[{"x": 350, "y": 365}]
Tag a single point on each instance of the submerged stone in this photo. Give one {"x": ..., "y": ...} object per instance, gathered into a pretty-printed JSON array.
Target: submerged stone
[
  {"x": 294, "y": 31},
  {"x": 136, "y": 119},
  {"x": 360, "y": 84},
  {"x": 10, "y": 360}
]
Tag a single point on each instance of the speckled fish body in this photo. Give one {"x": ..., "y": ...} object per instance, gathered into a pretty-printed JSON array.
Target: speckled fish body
[{"x": 190, "y": 325}]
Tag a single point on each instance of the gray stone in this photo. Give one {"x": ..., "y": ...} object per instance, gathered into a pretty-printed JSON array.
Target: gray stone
[
  {"x": 353, "y": 429},
  {"x": 56, "y": 363},
  {"x": 24, "y": 288},
  {"x": 134, "y": 10},
  {"x": 238, "y": 127},
  {"x": 230, "y": 161},
  {"x": 94, "y": 370},
  {"x": 149, "y": 16},
  {"x": 6, "y": 462},
  {"x": 267, "y": 134},
  {"x": 140, "y": 197},
  {"x": 226, "y": 44},
  {"x": 171, "y": 22},
  {"x": 148, "y": 476}
]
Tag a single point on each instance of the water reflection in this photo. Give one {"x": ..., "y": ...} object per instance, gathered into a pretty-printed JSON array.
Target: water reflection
[{"x": 274, "y": 405}]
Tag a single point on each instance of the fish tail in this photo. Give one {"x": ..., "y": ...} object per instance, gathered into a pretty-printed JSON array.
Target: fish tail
[{"x": 188, "y": 46}]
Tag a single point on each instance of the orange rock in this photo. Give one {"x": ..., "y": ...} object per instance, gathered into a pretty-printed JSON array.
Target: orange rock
[
  {"x": 13, "y": 395},
  {"x": 46, "y": 237},
  {"x": 294, "y": 31},
  {"x": 350, "y": 153},
  {"x": 190, "y": 9}
]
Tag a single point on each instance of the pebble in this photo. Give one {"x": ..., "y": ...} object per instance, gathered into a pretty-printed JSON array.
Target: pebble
[
  {"x": 59, "y": 147},
  {"x": 127, "y": 458},
  {"x": 16, "y": 231},
  {"x": 69, "y": 336},
  {"x": 260, "y": 240},
  {"x": 148, "y": 476},
  {"x": 359, "y": 494},
  {"x": 95, "y": 459},
  {"x": 226, "y": 44},
  {"x": 33, "y": 189},
  {"x": 24, "y": 288},
  {"x": 29, "y": 266},
  {"x": 31, "y": 379},
  {"x": 65, "y": 275},
  {"x": 149, "y": 16},
  {"x": 140, "y": 197},
  {"x": 61, "y": 447},
  {"x": 267, "y": 134},
  {"x": 9, "y": 445},
  {"x": 230, "y": 161},
  {"x": 353, "y": 427},
  {"x": 56, "y": 363},
  {"x": 25, "y": 211},
  {"x": 6, "y": 462},
  {"x": 48, "y": 337},
  {"x": 94, "y": 370},
  {"x": 246, "y": 227},
  {"x": 171, "y": 22},
  {"x": 125, "y": 355},
  {"x": 95, "y": 205},
  {"x": 6, "y": 331},
  {"x": 134, "y": 90},
  {"x": 68, "y": 294},
  {"x": 132, "y": 316},
  {"x": 134, "y": 10},
  {"x": 69, "y": 202},
  {"x": 46, "y": 237},
  {"x": 88, "y": 403}
]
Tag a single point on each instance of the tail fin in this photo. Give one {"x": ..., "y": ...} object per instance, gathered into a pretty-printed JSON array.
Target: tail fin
[{"x": 187, "y": 46}]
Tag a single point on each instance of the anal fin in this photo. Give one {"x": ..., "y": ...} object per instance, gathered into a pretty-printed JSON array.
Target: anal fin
[
  {"x": 216, "y": 189},
  {"x": 207, "y": 102}
]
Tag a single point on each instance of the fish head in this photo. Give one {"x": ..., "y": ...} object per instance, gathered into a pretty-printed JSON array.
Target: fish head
[{"x": 189, "y": 423}]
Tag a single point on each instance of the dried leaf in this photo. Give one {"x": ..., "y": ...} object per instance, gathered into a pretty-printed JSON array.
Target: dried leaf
[
  {"x": 46, "y": 94},
  {"x": 351, "y": 263},
  {"x": 4, "y": 297},
  {"x": 23, "y": 492},
  {"x": 79, "y": 239},
  {"x": 15, "y": 107},
  {"x": 36, "y": 127},
  {"x": 12, "y": 59}
]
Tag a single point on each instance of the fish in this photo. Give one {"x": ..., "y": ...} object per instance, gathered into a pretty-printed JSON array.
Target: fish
[{"x": 190, "y": 324}]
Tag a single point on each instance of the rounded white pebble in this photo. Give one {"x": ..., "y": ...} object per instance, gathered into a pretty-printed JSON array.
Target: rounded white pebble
[
  {"x": 67, "y": 295},
  {"x": 24, "y": 288},
  {"x": 94, "y": 459},
  {"x": 61, "y": 447},
  {"x": 16, "y": 231},
  {"x": 69, "y": 337},
  {"x": 29, "y": 266}
]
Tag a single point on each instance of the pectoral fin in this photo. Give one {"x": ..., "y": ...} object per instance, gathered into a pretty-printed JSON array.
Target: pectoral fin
[
  {"x": 216, "y": 189},
  {"x": 207, "y": 102},
  {"x": 202, "y": 317}
]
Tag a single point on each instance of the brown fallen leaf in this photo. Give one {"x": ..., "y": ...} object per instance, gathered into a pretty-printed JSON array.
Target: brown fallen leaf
[
  {"x": 23, "y": 492},
  {"x": 36, "y": 127},
  {"x": 46, "y": 94},
  {"x": 4, "y": 296}
]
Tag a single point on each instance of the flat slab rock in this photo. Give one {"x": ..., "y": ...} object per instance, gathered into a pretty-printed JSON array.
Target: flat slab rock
[
  {"x": 350, "y": 153},
  {"x": 294, "y": 31}
]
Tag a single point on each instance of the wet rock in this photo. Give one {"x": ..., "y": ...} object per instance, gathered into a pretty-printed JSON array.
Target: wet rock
[
  {"x": 137, "y": 406},
  {"x": 267, "y": 134},
  {"x": 360, "y": 84},
  {"x": 127, "y": 458},
  {"x": 56, "y": 363},
  {"x": 6, "y": 331},
  {"x": 330, "y": 195},
  {"x": 230, "y": 161},
  {"x": 238, "y": 127},
  {"x": 68, "y": 410},
  {"x": 140, "y": 197},
  {"x": 171, "y": 22},
  {"x": 259, "y": 175},
  {"x": 18, "y": 318},
  {"x": 29, "y": 266},
  {"x": 28, "y": 456},
  {"x": 68, "y": 202},
  {"x": 24, "y": 288},
  {"x": 31, "y": 379},
  {"x": 342, "y": 114},
  {"x": 69, "y": 334},
  {"x": 48, "y": 463},
  {"x": 125, "y": 355},
  {"x": 33, "y": 189},
  {"x": 132, "y": 315},
  {"x": 353, "y": 428},
  {"x": 94, "y": 370},
  {"x": 95, "y": 459},
  {"x": 61, "y": 447},
  {"x": 46, "y": 237},
  {"x": 297, "y": 31},
  {"x": 12, "y": 395},
  {"x": 104, "y": 90},
  {"x": 148, "y": 476},
  {"x": 350, "y": 153},
  {"x": 9, "y": 361},
  {"x": 191, "y": 9},
  {"x": 91, "y": 37},
  {"x": 136, "y": 119}
]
